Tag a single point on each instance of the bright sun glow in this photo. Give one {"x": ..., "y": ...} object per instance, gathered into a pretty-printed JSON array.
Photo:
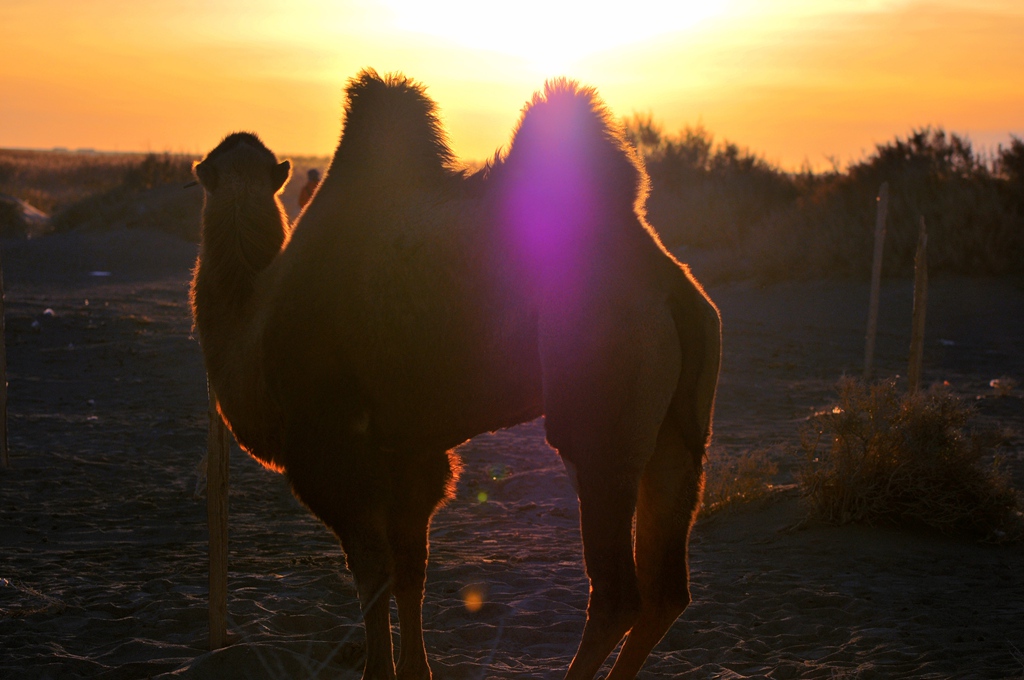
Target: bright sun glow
[
  {"x": 550, "y": 35},
  {"x": 795, "y": 80}
]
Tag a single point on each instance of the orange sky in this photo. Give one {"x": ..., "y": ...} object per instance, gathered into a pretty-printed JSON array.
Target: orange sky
[{"x": 795, "y": 80}]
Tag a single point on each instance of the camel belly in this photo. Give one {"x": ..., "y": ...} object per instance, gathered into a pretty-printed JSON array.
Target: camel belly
[
  {"x": 471, "y": 385},
  {"x": 424, "y": 377}
]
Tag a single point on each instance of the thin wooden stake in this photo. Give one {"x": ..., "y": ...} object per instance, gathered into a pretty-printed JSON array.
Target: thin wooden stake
[
  {"x": 876, "y": 278},
  {"x": 920, "y": 304},
  {"x": 5, "y": 460},
  {"x": 217, "y": 519}
]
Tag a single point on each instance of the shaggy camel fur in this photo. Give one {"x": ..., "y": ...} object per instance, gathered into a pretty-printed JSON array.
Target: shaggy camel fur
[{"x": 414, "y": 306}]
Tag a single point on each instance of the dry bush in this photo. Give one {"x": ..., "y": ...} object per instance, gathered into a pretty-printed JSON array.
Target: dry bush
[
  {"x": 779, "y": 225},
  {"x": 737, "y": 480},
  {"x": 706, "y": 194},
  {"x": 974, "y": 219},
  {"x": 881, "y": 457},
  {"x": 99, "y": 191}
]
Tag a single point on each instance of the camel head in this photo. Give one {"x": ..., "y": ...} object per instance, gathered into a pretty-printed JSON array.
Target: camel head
[
  {"x": 241, "y": 164},
  {"x": 244, "y": 223}
]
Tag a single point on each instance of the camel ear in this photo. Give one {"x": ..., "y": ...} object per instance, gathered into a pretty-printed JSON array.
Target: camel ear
[
  {"x": 281, "y": 173},
  {"x": 206, "y": 174}
]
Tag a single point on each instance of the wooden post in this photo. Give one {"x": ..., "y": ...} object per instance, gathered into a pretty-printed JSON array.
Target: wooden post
[
  {"x": 5, "y": 461},
  {"x": 920, "y": 303},
  {"x": 876, "y": 278},
  {"x": 217, "y": 519}
]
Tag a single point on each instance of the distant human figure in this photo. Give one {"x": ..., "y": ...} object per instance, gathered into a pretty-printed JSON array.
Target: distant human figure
[{"x": 310, "y": 187}]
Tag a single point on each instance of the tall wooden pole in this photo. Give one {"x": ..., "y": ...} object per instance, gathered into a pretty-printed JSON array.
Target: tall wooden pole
[
  {"x": 5, "y": 461},
  {"x": 876, "y": 278},
  {"x": 920, "y": 304},
  {"x": 217, "y": 519}
]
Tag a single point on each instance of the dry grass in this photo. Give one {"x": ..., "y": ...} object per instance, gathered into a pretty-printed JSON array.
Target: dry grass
[
  {"x": 102, "y": 191},
  {"x": 739, "y": 480},
  {"x": 881, "y": 457},
  {"x": 85, "y": 190},
  {"x": 53, "y": 180},
  {"x": 149, "y": 193},
  {"x": 708, "y": 194}
]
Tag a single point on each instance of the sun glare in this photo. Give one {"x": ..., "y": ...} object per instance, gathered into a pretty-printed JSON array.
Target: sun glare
[{"x": 550, "y": 35}]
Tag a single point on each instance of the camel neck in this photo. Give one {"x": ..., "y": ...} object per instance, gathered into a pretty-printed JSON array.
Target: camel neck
[{"x": 238, "y": 243}]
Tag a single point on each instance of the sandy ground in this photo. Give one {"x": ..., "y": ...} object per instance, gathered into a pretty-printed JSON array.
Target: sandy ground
[{"x": 103, "y": 534}]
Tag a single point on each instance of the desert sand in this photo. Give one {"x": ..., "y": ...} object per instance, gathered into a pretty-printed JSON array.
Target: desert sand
[{"x": 103, "y": 523}]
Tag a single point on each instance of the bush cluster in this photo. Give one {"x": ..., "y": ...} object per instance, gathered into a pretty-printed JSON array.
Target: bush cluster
[
  {"x": 705, "y": 194},
  {"x": 783, "y": 225},
  {"x": 880, "y": 457}
]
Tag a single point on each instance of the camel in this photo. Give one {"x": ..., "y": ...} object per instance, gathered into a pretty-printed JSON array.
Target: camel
[{"x": 415, "y": 305}]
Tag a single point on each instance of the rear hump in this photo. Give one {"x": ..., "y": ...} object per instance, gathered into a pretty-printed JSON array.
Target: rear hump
[{"x": 569, "y": 170}]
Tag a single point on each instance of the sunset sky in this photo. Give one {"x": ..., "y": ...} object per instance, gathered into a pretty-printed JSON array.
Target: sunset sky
[{"x": 794, "y": 80}]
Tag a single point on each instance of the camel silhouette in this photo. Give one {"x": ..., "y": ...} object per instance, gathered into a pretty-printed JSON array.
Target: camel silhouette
[{"x": 414, "y": 306}]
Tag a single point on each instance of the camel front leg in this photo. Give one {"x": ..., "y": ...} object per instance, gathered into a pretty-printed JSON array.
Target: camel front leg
[
  {"x": 409, "y": 543},
  {"x": 369, "y": 560},
  {"x": 336, "y": 474},
  {"x": 420, "y": 482}
]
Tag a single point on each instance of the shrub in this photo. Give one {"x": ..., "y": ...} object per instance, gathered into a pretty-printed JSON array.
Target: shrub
[
  {"x": 1010, "y": 167},
  {"x": 737, "y": 480},
  {"x": 974, "y": 226},
  {"x": 880, "y": 457},
  {"x": 11, "y": 221},
  {"x": 705, "y": 194}
]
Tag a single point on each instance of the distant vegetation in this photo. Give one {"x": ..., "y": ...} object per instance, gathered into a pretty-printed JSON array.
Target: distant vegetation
[
  {"x": 51, "y": 180},
  {"x": 148, "y": 193},
  {"x": 88, "y": 190},
  {"x": 707, "y": 195},
  {"x": 103, "y": 191},
  {"x": 781, "y": 225}
]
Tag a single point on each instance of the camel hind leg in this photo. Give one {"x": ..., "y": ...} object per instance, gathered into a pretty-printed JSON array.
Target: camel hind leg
[
  {"x": 610, "y": 376},
  {"x": 671, "y": 485},
  {"x": 669, "y": 493}
]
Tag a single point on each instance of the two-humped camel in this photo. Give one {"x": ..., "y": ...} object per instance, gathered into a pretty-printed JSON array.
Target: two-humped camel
[{"x": 414, "y": 306}]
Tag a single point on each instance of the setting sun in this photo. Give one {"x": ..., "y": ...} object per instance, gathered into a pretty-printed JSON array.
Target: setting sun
[
  {"x": 798, "y": 82},
  {"x": 551, "y": 37}
]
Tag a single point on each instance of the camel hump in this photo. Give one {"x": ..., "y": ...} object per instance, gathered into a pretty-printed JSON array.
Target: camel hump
[
  {"x": 572, "y": 157},
  {"x": 391, "y": 133}
]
